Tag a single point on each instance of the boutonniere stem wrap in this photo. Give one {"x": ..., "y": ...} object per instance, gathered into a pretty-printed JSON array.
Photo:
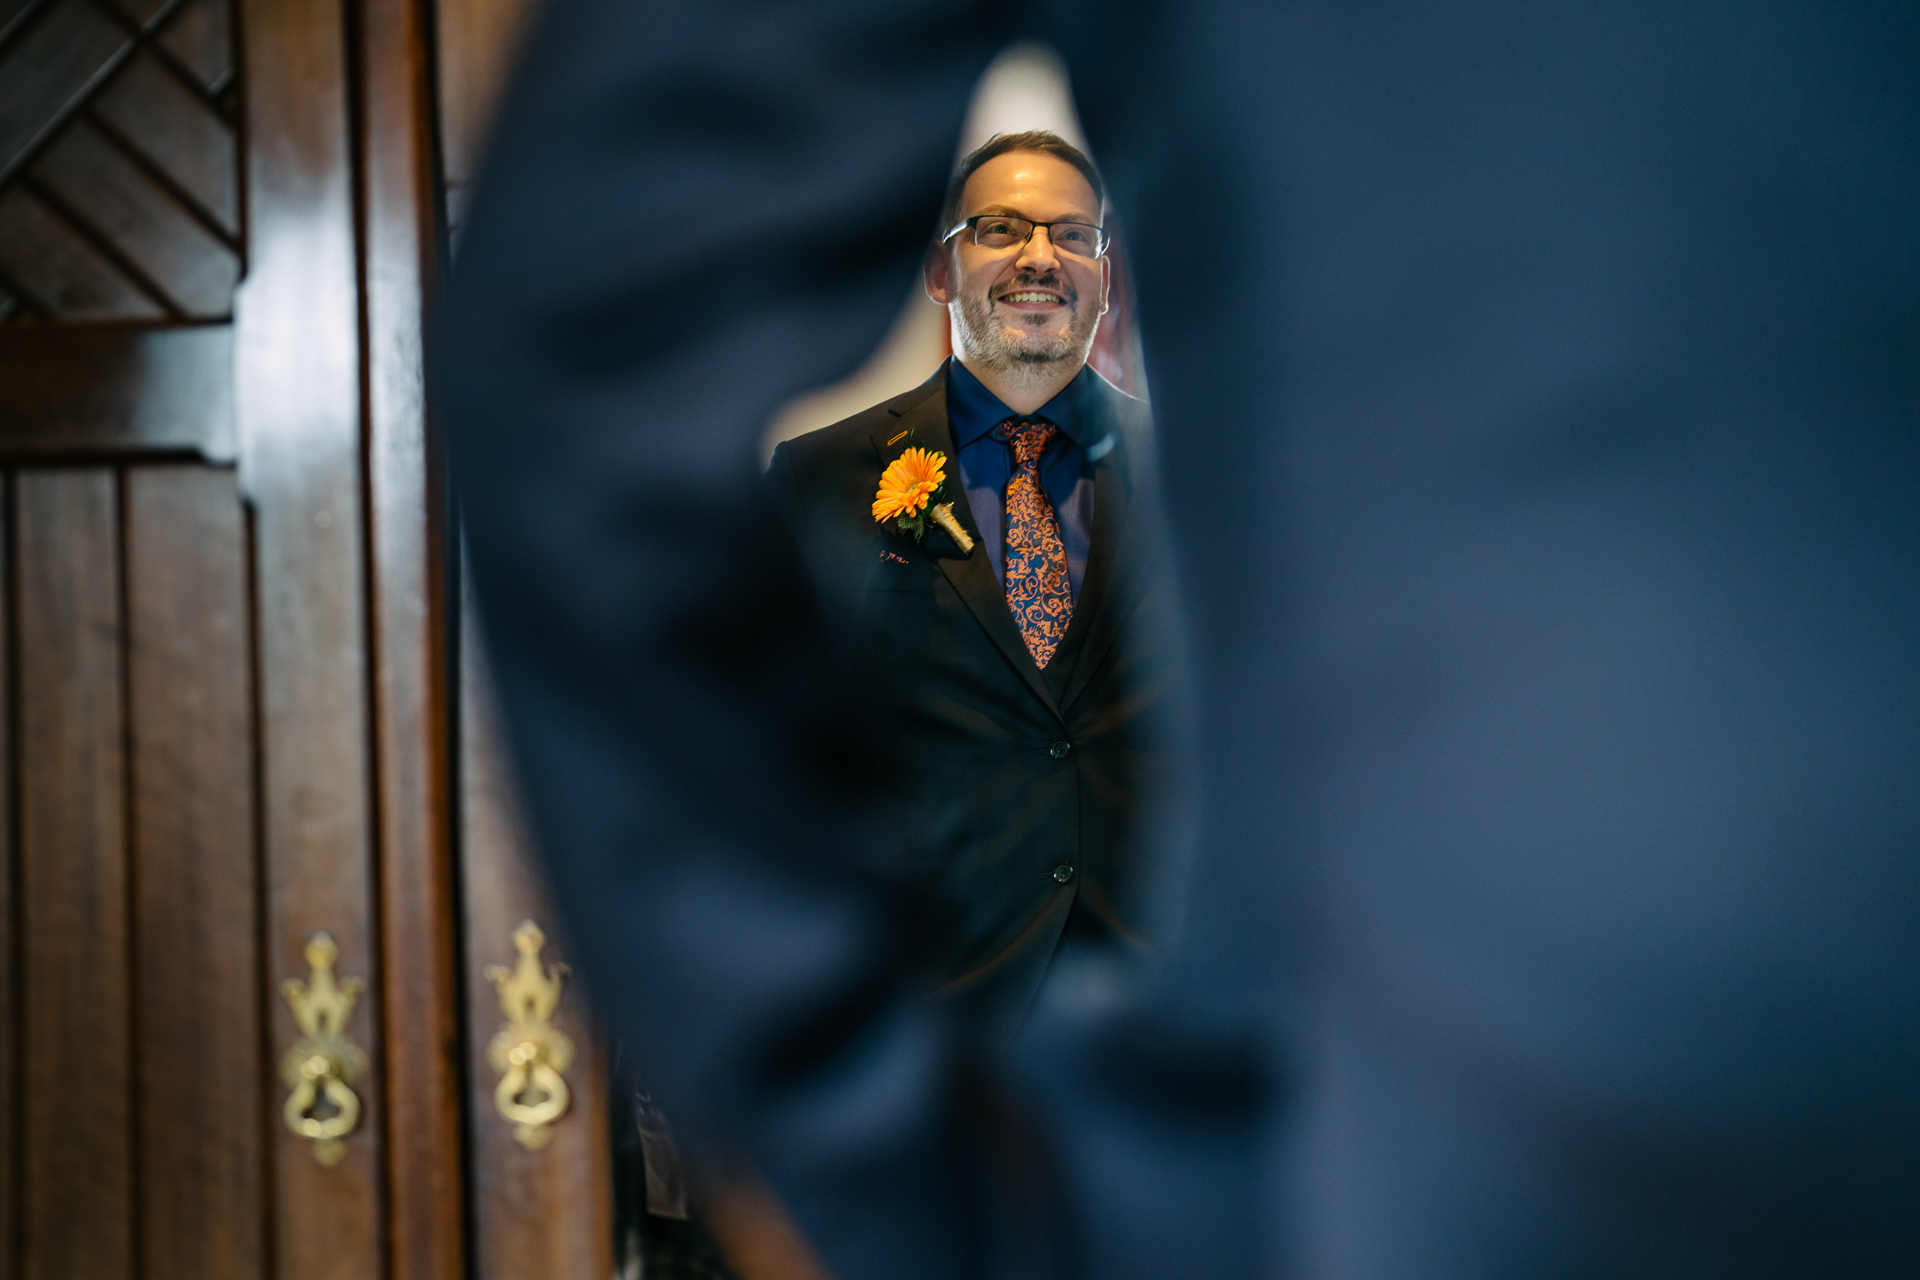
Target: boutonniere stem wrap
[{"x": 907, "y": 493}]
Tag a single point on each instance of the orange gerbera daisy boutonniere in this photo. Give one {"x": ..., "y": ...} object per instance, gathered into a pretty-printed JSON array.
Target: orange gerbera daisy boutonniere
[{"x": 906, "y": 496}]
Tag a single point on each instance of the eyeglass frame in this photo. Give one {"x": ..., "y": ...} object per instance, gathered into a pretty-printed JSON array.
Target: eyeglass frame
[{"x": 1106, "y": 240}]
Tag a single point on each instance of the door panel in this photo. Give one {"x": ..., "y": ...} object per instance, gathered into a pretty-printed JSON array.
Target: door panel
[
  {"x": 77, "y": 1095},
  {"x": 142, "y": 1102},
  {"x": 544, "y": 1212},
  {"x": 202, "y": 1085},
  {"x": 141, "y": 1108},
  {"x": 10, "y": 985},
  {"x": 118, "y": 161}
]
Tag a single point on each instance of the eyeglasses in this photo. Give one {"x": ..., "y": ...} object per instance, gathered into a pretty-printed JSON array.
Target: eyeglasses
[{"x": 1004, "y": 231}]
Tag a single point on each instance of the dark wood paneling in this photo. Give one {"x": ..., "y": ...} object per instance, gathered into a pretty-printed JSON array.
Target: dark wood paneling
[
  {"x": 49, "y": 67},
  {"x": 202, "y": 38},
  {"x": 50, "y": 271},
  {"x": 546, "y": 1212},
  {"x": 187, "y": 143},
  {"x": 9, "y": 908},
  {"x": 201, "y": 1086},
  {"x": 297, "y": 376},
  {"x": 184, "y": 261},
  {"x": 117, "y": 163},
  {"x": 78, "y": 1090},
  {"x": 412, "y": 731},
  {"x": 116, "y": 391}
]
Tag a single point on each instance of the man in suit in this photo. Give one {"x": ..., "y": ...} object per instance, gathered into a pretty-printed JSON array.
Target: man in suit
[
  {"x": 1537, "y": 399},
  {"x": 1017, "y": 650}
]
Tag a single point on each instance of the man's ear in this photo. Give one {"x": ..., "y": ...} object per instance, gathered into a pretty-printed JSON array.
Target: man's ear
[
  {"x": 1106, "y": 283},
  {"x": 935, "y": 271}
]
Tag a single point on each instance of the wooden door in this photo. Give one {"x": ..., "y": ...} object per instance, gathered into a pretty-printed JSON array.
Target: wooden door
[
  {"x": 226, "y": 708},
  {"x": 255, "y": 816},
  {"x": 233, "y": 718}
]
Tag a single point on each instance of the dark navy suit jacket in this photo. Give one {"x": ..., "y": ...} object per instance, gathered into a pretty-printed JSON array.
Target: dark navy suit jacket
[
  {"x": 1538, "y": 395},
  {"x": 1024, "y": 791}
]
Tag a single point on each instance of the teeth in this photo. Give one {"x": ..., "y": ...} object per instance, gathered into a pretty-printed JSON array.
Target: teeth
[{"x": 1033, "y": 297}]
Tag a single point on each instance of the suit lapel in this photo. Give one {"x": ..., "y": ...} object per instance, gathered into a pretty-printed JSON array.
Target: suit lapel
[
  {"x": 1113, "y": 585},
  {"x": 925, "y": 425}
]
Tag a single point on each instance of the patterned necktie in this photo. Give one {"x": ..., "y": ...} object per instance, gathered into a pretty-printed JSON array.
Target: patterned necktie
[{"x": 1038, "y": 589}]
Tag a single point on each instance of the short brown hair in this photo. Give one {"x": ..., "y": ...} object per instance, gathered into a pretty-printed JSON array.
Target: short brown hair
[{"x": 1043, "y": 141}]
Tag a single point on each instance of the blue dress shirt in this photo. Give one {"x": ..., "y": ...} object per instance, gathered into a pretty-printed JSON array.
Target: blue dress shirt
[{"x": 986, "y": 465}]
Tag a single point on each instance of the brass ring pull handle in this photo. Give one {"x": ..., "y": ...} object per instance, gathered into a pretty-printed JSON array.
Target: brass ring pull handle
[
  {"x": 528, "y": 1052},
  {"x": 323, "y": 1064},
  {"x": 320, "y": 1079},
  {"x": 532, "y": 1094}
]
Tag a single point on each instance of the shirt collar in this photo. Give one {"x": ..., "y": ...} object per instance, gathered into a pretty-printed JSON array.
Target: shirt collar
[{"x": 972, "y": 410}]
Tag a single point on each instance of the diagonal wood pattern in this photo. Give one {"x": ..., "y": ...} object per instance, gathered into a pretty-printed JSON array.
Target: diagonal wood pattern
[{"x": 119, "y": 164}]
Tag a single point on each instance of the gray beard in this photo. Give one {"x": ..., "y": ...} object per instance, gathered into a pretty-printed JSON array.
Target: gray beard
[{"x": 981, "y": 340}]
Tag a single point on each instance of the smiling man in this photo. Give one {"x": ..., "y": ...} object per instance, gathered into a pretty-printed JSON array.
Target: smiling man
[{"x": 984, "y": 532}]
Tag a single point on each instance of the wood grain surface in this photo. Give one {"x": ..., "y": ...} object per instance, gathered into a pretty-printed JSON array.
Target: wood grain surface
[
  {"x": 77, "y": 1096},
  {"x": 412, "y": 722},
  {"x": 118, "y": 162},
  {"x": 546, "y": 1212},
  {"x": 297, "y": 378},
  {"x": 10, "y": 1038},
  {"x": 116, "y": 392},
  {"x": 202, "y": 1085}
]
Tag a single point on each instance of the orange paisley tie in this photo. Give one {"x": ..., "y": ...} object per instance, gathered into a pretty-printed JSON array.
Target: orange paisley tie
[{"x": 1038, "y": 589}]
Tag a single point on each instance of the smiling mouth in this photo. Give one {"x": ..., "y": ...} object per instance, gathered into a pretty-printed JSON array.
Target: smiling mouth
[{"x": 1034, "y": 296}]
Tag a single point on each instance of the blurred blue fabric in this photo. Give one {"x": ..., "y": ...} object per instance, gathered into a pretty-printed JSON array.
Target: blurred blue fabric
[{"x": 1539, "y": 394}]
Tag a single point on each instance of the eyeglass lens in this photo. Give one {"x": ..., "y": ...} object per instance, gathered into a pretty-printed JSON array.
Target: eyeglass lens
[{"x": 1077, "y": 238}]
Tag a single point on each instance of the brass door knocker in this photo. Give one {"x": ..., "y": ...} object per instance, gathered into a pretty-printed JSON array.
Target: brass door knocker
[
  {"x": 323, "y": 1064},
  {"x": 528, "y": 1051}
]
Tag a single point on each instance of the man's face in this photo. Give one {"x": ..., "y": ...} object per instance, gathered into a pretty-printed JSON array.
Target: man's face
[{"x": 1028, "y": 304}]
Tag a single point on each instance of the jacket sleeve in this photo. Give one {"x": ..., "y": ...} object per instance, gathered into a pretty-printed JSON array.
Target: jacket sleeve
[{"x": 690, "y": 214}]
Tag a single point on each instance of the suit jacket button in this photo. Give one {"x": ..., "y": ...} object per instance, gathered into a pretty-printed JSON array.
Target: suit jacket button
[
  {"x": 1059, "y": 750},
  {"x": 1063, "y": 873}
]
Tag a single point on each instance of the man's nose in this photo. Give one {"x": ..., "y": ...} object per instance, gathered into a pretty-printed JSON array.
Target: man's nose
[{"x": 1038, "y": 254}]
